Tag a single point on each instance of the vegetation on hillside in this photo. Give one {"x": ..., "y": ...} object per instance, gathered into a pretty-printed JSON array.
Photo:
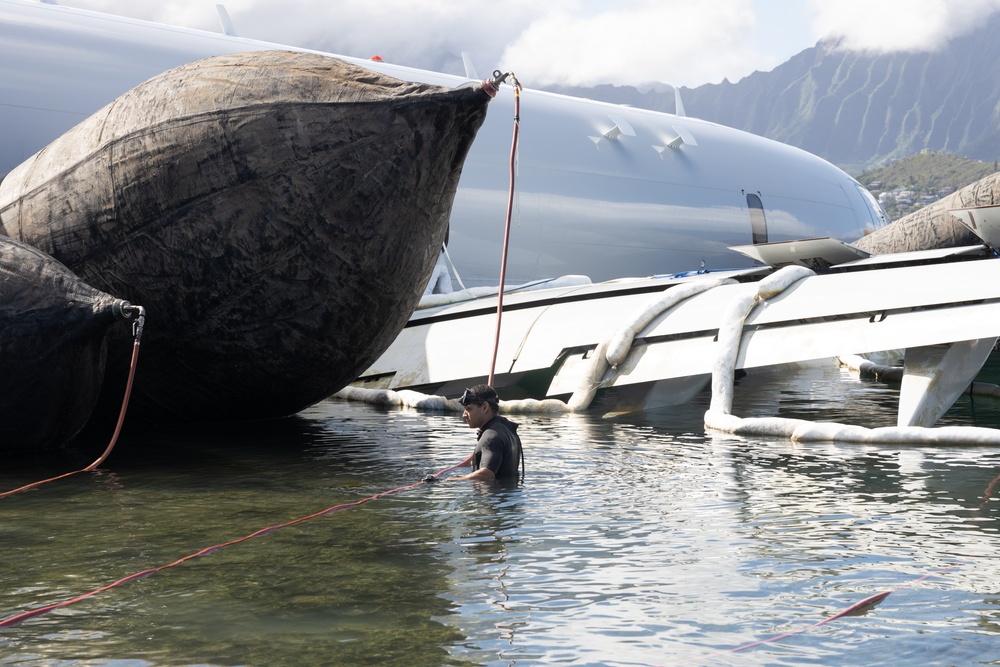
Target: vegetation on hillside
[{"x": 915, "y": 181}]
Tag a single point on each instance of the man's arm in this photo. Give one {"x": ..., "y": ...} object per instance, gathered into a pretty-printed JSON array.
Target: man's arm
[
  {"x": 482, "y": 475},
  {"x": 491, "y": 451}
]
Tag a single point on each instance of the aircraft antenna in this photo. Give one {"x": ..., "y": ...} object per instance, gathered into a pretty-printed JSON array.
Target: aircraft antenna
[
  {"x": 678, "y": 103},
  {"x": 227, "y": 23},
  {"x": 470, "y": 69}
]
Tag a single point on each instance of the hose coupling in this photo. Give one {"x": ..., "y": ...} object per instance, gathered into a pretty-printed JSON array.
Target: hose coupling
[{"x": 492, "y": 86}]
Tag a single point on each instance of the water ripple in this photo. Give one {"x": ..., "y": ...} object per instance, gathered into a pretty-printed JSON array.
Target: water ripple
[{"x": 639, "y": 540}]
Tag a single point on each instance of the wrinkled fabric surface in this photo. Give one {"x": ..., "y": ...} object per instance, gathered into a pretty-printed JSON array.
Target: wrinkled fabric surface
[
  {"x": 53, "y": 329},
  {"x": 278, "y": 215}
]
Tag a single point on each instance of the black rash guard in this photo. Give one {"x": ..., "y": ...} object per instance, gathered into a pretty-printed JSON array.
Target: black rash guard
[{"x": 498, "y": 447}]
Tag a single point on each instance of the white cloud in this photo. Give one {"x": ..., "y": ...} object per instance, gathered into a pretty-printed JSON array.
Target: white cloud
[
  {"x": 579, "y": 41},
  {"x": 674, "y": 41},
  {"x": 557, "y": 41},
  {"x": 884, "y": 26},
  {"x": 175, "y": 12}
]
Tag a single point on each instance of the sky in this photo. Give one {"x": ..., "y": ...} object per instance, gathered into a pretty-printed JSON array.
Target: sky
[{"x": 579, "y": 42}]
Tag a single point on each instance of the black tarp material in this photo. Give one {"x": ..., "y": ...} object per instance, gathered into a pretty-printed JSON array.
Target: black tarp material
[
  {"x": 278, "y": 214},
  {"x": 53, "y": 332}
]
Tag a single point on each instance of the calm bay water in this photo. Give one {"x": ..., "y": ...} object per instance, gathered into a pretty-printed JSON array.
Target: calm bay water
[{"x": 639, "y": 540}]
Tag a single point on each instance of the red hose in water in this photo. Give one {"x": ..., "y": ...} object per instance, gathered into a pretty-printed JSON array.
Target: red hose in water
[
  {"x": 855, "y": 609},
  {"x": 13, "y": 620},
  {"x": 118, "y": 427}
]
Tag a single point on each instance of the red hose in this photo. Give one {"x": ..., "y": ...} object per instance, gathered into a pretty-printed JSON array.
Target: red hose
[
  {"x": 121, "y": 414},
  {"x": 114, "y": 438},
  {"x": 13, "y": 620},
  {"x": 854, "y": 609},
  {"x": 506, "y": 233}
]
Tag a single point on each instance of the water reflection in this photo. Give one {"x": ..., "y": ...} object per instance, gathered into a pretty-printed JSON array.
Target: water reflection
[
  {"x": 334, "y": 591},
  {"x": 634, "y": 541}
]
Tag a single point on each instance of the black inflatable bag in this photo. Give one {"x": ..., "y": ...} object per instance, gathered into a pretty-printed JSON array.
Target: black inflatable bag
[{"x": 53, "y": 329}]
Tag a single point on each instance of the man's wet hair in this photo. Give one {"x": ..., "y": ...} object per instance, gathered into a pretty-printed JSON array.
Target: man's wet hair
[{"x": 479, "y": 394}]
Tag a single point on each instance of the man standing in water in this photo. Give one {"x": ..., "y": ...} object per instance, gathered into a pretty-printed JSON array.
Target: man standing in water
[{"x": 498, "y": 449}]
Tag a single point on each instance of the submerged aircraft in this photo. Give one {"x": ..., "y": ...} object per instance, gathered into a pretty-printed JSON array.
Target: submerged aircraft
[{"x": 603, "y": 190}]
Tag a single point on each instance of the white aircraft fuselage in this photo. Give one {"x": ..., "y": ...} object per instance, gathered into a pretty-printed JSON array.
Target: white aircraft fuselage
[{"x": 602, "y": 190}]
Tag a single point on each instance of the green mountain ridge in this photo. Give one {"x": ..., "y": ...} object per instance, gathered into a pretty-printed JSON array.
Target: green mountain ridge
[
  {"x": 856, "y": 110},
  {"x": 928, "y": 172},
  {"x": 902, "y": 186}
]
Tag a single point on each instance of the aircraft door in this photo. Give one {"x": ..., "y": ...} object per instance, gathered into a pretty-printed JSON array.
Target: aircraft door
[{"x": 758, "y": 221}]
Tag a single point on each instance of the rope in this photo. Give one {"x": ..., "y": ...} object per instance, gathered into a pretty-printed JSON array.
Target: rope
[
  {"x": 506, "y": 233},
  {"x": 13, "y": 620},
  {"x": 137, "y": 332}
]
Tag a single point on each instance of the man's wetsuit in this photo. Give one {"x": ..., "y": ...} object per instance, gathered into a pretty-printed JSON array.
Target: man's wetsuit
[{"x": 498, "y": 448}]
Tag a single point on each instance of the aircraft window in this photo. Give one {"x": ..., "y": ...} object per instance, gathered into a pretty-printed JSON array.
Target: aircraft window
[
  {"x": 758, "y": 222},
  {"x": 879, "y": 217}
]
